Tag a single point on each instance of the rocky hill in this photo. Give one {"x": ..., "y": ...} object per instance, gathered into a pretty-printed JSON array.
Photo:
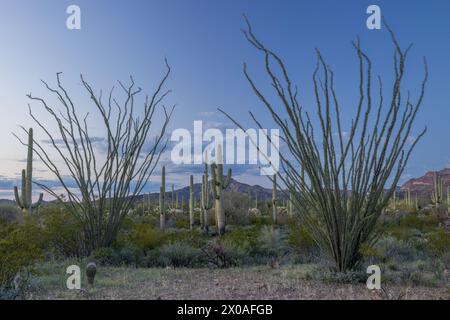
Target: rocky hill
[
  {"x": 424, "y": 185},
  {"x": 235, "y": 186}
]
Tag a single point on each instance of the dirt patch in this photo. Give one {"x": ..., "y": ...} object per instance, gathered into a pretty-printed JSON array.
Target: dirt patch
[{"x": 236, "y": 283}]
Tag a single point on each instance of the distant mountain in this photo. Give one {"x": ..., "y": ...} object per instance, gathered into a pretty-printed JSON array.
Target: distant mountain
[
  {"x": 235, "y": 186},
  {"x": 7, "y": 202},
  {"x": 424, "y": 185}
]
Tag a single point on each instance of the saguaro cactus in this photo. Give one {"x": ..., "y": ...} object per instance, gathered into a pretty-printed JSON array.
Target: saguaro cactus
[
  {"x": 408, "y": 199},
  {"x": 191, "y": 201},
  {"x": 206, "y": 204},
  {"x": 291, "y": 204},
  {"x": 173, "y": 197},
  {"x": 274, "y": 199},
  {"x": 218, "y": 185},
  {"x": 437, "y": 193},
  {"x": 25, "y": 200},
  {"x": 162, "y": 200}
]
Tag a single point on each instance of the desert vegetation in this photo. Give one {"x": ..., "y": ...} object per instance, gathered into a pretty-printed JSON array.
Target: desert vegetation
[{"x": 334, "y": 209}]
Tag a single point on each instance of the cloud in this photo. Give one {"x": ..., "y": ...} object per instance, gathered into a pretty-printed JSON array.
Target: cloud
[
  {"x": 206, "y": 113},
  {"x": 99, "y": 141}
]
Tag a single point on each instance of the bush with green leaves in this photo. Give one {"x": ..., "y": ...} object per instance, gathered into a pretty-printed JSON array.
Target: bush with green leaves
[
  {"x": 9, "y": 213},
  {"x": 20, "y": 247},
  {"x": 106, "y": 256},
  {"x": 63, "y": 231},
  {"x": 142, "y": 235},
  {"x": 179, "y": 254},
  {"x": 236, "y": 207}
]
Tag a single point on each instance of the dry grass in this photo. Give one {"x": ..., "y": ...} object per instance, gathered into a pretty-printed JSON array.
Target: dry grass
[{"x": 236, "y": 283}]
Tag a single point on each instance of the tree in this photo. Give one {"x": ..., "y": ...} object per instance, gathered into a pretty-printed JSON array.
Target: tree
[
  {"x": 351, "y": 174},
  {"x": 108, "y": 177}
]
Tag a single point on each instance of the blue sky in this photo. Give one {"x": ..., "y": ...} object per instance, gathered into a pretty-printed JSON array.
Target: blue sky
[{"x": 203, "y": 43}]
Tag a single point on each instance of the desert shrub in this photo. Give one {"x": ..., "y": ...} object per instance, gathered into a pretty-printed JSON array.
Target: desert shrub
[
  {"x": 9, "y": 213},
  {"x": 106, "y": 256},
  {"x": 23, "y": 284},
  {"x": 63, "y": 231},
  {"x": 300, "y": 239},
  {"x": 130, "y": 255},
  {"x": 245, "y": 237},
  {"x": 179, "y": 254},
  {"x": 194, "y": 238},
  {"x": 328, "y": 275},
  {"x": 260, "y": 220},
  {"x": 273, "y": 241},
  {"x": 439, "y": 242},
  {"x": 409, "y": 273},
  {"x": 220, "y": 255},
  {"x": 20, "y": 247},
  {"x": 274, "y": 244},
  {"x": 177, "y": 218},
  {"x": 141, "y": 235},
  {"x": 236, "y": 207},
  {"x": 399, "y": 250}
]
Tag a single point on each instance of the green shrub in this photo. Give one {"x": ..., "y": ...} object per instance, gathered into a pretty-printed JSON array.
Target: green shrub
[
  {"x": 179, "y": 254},
  {"x": 219, "y": 254},
  {"x": 439, "y": 242},
  {"x": 63, "y": 231},
  {"x": 130, "y": 255},
  {"x": 246, "y": 237},
  {"x": 236, "y": 207},
  {"x": 142, "y": 236},
  {"x": 329, "y": 276},
  {"x": 9, "y": 213},
  {"x": 20, "y": 247},
  {"x": 194, "y": 238},
  {"x": 399, "y": 250},
  {"x": 106, "y": 256},
  {"x": 300, "y": 239},
  {"x": 273, "y": 241}
]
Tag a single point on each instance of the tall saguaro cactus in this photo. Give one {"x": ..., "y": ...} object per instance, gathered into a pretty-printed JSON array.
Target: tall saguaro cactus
[
  {"x": 218, "y": 185},
  {"x": 206, "y": 204},
  {"x": 162, "y": 200},
  {"x": 291, "y": 204},
  {"x": 437, "y": 193},
  {"x": 191, "y": 201},
  {"x": 274, "y": 199},
  {"x": 25, "y": 200}
]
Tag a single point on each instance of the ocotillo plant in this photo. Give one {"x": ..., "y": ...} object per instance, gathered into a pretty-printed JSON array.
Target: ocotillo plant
[
  {"x": 25, "y": 200},
  {"x": 436, "y": 194},
  {"x": 274, "y": 199},
  {"x": 347, "y": 168},
  {"x": 191, "y": 201},
  {"x": 162, "y": 200},
  {"x": 218, "y": 185}
]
